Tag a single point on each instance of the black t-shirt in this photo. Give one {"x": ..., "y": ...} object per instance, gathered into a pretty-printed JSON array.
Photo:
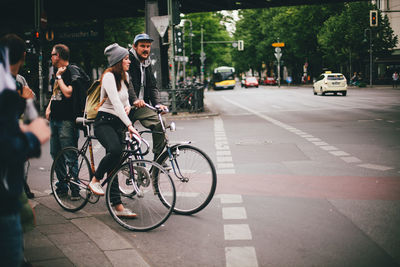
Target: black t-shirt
[{"x": 61, "y": 108}]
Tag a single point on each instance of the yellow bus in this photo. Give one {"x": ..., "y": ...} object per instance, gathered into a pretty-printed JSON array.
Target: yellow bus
[{"x": 224, "y": 78}]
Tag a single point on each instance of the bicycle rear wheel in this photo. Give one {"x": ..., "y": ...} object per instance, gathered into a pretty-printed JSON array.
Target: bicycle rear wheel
[
  {"x": 69, "y": 176},
  {"x": 194, "y": 177},
  {"x": 147, "y": 202}
]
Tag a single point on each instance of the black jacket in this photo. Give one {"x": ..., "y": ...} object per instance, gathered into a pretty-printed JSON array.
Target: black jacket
[
  {"x": 16, "y": 148},
  {"x": 151, "y": 93}
]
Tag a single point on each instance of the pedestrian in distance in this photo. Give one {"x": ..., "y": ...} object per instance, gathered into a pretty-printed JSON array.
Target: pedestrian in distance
[
  {"x": 395, "y": 78},
  {"x": 18, "y": 142},
  {"x": 60, "y": 112},
  {"x": 112, "y": 120},
  {"x": 143, "y": 89}
]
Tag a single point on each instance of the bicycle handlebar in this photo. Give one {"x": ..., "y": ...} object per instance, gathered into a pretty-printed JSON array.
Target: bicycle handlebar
[{"x": 156, "y": 108}]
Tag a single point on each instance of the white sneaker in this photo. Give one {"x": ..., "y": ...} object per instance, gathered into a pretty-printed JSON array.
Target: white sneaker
[
  {"x": 126, "y": 213},
  {"x": 96, "y": 188}
]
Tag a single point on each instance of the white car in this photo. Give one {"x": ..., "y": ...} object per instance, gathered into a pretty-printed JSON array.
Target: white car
[{"x": 329, "y": 82}]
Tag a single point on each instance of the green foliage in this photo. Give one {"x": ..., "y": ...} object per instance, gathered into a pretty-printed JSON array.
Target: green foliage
[
  {"x": 213, "y": 30},
  {"x": 347, "y": 35},
  {"x": 321, "y": 35}
]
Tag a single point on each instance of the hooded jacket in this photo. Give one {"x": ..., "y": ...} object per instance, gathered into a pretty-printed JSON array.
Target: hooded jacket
[{"x": 141, "y": 73}]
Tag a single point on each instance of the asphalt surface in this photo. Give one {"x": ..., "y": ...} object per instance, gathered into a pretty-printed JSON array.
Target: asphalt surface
[{"x": 62, "y": 238}]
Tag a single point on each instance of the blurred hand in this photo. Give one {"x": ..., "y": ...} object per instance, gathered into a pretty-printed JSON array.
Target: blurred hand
[
  {"x": 39, "y": 128},
  {"x": 27, "y": 92}
]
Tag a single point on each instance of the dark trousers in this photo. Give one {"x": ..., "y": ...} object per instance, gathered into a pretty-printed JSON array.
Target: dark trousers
[{"x": 108, "y": 130}]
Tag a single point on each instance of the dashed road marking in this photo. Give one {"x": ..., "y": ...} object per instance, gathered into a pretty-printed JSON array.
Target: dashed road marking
[
  {"x": 230, "y": 198},
  {"x": 237, "y": 232},
  {"x": 234, "y": 213},
  {"x": 224, "y": 157},
  {"x": 375, "y": 167},
  {"x": 241, "y": 257},
  {"x": 351, "y": 159},
  {"x": 339, "y": 153}
]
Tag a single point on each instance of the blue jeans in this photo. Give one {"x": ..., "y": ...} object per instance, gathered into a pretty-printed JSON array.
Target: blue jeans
[
  {"x": 11, "y": 240},
  {"x": 64, "y": 134}
]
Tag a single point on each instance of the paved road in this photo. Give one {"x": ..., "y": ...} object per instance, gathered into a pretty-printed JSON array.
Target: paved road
[{"x": 302, "y": 180}]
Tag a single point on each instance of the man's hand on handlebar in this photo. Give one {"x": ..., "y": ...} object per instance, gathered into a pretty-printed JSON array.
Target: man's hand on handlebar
[
  {"x": 163, "y": 108},
  {"x": 139, "y": 103}
]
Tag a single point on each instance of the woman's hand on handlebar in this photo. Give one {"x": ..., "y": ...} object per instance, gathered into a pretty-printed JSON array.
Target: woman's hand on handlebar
[{"x": 132, "y": 131}]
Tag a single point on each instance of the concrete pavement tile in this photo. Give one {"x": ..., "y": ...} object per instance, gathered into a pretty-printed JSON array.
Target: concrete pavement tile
[
  {"x": 85, "y": 254},
  {"x": 35, "y": 239},
  {"x": 126, "y": 257},
  {"x": 57, "y": 228},
  {"x": 64, "y": 262},
  {"x": 68, "y": 238},
  {"x": 45, "y": 216},
  {"x": 42, "y": 253},
  {"x": 101, "y": 234},
  {"x": 52, "y": 204}
]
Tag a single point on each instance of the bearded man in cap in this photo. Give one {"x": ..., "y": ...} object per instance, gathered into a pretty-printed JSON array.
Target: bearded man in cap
[{"x": 143, "y": 89}]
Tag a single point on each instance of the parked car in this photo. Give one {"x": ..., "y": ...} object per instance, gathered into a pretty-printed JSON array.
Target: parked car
[
  {"x": 329, "y": 82},
  {"x": 250, "y": 82},
  {"x": 269, "y": 81}
]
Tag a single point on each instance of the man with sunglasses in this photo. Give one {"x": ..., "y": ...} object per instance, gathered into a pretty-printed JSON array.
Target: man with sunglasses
[{"x": 64, "y": 132}]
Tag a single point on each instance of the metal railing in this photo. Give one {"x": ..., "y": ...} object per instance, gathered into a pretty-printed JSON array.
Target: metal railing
[{"x": 187, "y": 98}]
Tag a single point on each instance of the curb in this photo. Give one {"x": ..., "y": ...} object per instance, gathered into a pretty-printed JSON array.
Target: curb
[{"x": 84, "y": 230}]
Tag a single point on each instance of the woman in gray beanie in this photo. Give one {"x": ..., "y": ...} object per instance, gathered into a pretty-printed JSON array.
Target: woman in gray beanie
[{"x": 112, "y": 119}]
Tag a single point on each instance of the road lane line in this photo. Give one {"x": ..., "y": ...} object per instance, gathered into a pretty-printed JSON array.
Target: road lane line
[{"x": 316, "y": 141}]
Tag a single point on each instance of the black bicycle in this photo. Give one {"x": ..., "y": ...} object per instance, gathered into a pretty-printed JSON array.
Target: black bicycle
[
  {"x": 151, "y": 197},
  {"x": 191, "y": 169}
]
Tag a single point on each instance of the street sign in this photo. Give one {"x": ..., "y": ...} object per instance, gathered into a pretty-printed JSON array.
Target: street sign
[
  {"x": 278, "y": 49},
  {"x": 278, "y": 56},
  {"x": 161, "y": 23},
  {"x": 278, "y": 44}
]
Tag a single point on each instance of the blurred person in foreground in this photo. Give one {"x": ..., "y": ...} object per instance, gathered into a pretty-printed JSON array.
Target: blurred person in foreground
[{"x": 18, "y": 142}]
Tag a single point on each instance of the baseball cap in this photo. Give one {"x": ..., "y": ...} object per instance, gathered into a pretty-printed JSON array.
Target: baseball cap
[{"x": 142, "y": 37}]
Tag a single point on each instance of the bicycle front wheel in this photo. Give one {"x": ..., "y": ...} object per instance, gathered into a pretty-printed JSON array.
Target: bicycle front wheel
[
  {"x": 133, "y": 186},
  {"x": 194, "y": 177},
  {"x": 69, "y": 176}
]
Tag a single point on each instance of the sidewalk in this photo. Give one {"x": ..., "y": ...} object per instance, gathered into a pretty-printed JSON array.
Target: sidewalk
[{"x": 63, "y": 239}]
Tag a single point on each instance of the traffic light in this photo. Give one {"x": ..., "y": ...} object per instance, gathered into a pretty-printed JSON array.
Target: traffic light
[
  {"x": 178, "y": 41},
  {"x": 240, "y": 45},
  {"x": 36, "y": 40},
  {"x": 373, "y": 18},
  {"x": 176, "y": 12}
]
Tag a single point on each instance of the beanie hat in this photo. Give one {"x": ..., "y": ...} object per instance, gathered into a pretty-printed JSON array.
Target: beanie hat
[{"x": 115, "y": 54}]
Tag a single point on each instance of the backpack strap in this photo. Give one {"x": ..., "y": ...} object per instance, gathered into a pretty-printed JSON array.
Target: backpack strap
[{"x": 100, "y": 103}]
